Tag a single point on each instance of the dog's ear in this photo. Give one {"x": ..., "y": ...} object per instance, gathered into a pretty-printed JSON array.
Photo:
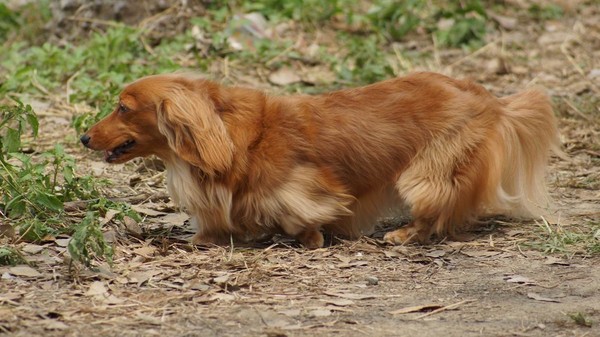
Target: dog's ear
[{"x": 195, "y": 131}]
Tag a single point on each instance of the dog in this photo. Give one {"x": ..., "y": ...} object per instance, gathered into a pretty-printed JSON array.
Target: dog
[{"x": 246, "y": 164}]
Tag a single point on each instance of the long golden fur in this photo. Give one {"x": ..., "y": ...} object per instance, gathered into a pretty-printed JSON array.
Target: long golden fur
[{"x": 246, "y": 164}]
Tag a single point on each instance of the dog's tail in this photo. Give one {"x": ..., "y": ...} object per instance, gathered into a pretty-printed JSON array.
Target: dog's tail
[{"x": 528, "y": 134}]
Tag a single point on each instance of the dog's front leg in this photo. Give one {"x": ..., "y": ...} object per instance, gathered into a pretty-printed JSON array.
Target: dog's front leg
[
  {"x": 207, "y": 235},
  {"x": 311, "y": 238}
]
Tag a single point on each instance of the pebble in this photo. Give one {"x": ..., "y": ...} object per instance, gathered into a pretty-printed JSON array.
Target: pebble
[{"x": 372, "y": 280}]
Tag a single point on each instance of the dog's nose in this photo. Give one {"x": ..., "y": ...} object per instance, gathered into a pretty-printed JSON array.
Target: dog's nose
[{"x": 85, "y": 139}]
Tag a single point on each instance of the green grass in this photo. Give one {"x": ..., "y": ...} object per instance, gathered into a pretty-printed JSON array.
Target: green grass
[{"x": 580, "y": 239}]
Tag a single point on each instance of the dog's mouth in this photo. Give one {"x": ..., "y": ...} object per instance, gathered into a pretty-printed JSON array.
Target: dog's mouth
[{"x": 114, "y": 154}]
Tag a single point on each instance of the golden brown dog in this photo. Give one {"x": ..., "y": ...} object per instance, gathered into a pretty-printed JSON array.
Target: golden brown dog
[{"x": 246, "y": 164}]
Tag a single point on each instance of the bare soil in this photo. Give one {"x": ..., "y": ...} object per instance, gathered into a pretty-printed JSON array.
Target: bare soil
[{"x": 491, "y": 284}]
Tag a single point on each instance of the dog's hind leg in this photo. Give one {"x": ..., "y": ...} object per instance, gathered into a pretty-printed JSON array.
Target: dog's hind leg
[
  {"x": 433, "y": 206},
  {"x": 444, "y": 193}
]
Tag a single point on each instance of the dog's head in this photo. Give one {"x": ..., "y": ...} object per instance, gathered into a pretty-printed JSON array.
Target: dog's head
[{"x": 166, "y": 115}]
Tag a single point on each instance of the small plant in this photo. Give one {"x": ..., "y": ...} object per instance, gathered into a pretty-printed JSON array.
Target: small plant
[
  {"x": 87, "y": 241},
  {"x": 395, "y": 19},
  {"x": 580, "y": 319},
  {"x": 34, "y": 189},
  {"x": 543, "y": 12},
  {"x": 454, "y": 24},
  {"x": 308, "y": 11},
  {"x": 8, "y": 21},
  {"x": 365, "y": 62},
  {"x": 10, "y": 256},
  {"x": 465, "y": 23}
]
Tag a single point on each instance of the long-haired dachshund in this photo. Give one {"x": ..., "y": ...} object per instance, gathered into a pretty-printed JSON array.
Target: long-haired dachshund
[{"x": 246, "y": 164}]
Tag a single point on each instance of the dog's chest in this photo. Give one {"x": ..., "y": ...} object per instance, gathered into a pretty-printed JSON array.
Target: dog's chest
[{"x": 300, "y": 200}]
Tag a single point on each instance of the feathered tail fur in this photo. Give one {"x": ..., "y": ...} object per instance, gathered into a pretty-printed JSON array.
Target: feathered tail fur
[{"x": 528, "y": 135}]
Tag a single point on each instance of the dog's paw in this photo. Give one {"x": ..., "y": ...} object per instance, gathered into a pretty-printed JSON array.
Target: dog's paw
[
  {"x": 399, "y": 237},
  {"x": 404, "y": 235},
  {"x": 205, "y": 240},
  {"x": 311, "y": 239}
]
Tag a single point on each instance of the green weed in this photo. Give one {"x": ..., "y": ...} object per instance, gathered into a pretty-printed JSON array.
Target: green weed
[
  {"x": 466, "y": 23},
  {"x": 10, "y": 256},
  {"x": 556, "y": 239},
  {"x": 543, "y": 12},
  {"x": 307, "y": 11},
  {"x": 34, "y": 189},
  {"x": 396, "y": 19},
  {"x": 26, "y": 23},
  {"x": 87, "y": 241},
  {"x": 580, "y": 319},
  {"x": 8, "y": 21},
  {"x": 365, "y": 61}
]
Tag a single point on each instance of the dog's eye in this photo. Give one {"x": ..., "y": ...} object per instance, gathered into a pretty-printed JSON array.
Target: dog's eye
[{"x": 122, "y": 108}]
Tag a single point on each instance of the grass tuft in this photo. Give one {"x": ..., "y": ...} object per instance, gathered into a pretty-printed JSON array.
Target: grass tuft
[{"x": 583, "y": 239}]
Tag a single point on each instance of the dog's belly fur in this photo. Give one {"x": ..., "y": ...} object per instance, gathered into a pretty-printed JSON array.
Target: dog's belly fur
[{"x": 302, "y": 199}]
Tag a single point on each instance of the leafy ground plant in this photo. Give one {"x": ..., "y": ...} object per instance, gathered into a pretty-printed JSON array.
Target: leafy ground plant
[
  {"x": 10, "y": 256},
  {"x": 34, "y": 190}
]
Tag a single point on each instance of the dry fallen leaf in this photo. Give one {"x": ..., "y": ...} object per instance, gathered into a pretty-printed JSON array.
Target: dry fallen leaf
[
  {"x": 110, "y": 214},
  {"x": 223, "y": 297},
  {"x": 391, "y": 253},
  {"x": 480, "y": 253},
  {"x": 539, "y": 297},
  {"x": 97, "y": 288},
  {"x": 26, "y": 271},
  {"x": 221, "y": 280},
  {"x": 320, "y": 313},
  {"x": 176, "y": 219},
  {"x": 51, "y": 324},
  {"x": 112, "y": 299},
  {"x": 554, "y": 260},
  {"x": 519, "y": 279},
  {"x": 416, "y": 308},
  {"x": 291, "y": 312},
  {"x": 145, "y": 251},
  {"x": 506, "y": 22},
  {"x": 199, "y": 286},
  {"x": 352, "y": 264},
  {"x": 350, "y": 296},
  {"x": 342, "y": 258},
  {"x": 339, "y": 302},
  {"x": 284, "y": 76},
  {"x": 10, "y": 297},
  {"x": 132, "y": 227},
  {"x": 149, "y": 319},
  {"x": 147, "y": 211},
  {"x": 30, "y": 248},
  {"x": 436, "y": 253},
  {"x": 141, "y": 277},
  {"x": 7, "y": 231},
  {"x": 62, "y": 242},
  {"x": 319, "y": 76}
]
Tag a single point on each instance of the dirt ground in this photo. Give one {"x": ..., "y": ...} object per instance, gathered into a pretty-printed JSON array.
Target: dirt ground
[{"x": 491, "y": 284}]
